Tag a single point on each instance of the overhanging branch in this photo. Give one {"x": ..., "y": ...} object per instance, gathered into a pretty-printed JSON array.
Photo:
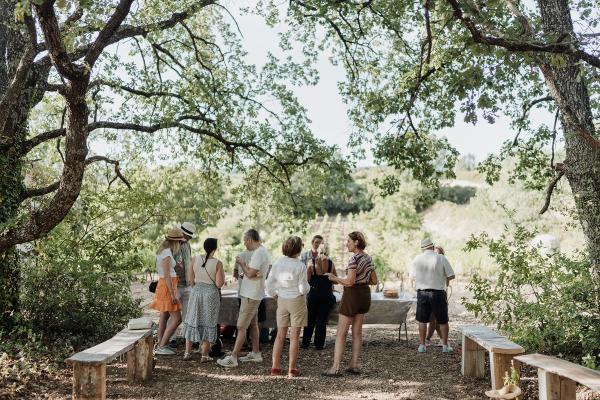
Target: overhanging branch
[
  {"x": 551, "y": 187},
  {"x": 54, "y": 186}
]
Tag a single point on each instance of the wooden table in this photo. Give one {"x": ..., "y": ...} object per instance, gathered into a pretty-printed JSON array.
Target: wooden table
[{"x": 383, "y": 310}]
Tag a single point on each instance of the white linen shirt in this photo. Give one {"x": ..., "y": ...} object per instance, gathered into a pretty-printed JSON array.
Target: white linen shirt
[
  {"x": 430, "y": 270},
  {"x": 254, "y": 288},
  {"x": 288, "y": 279}
]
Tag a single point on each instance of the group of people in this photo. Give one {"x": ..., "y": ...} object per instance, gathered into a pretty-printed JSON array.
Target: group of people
[{"x": 188, "y": 291}]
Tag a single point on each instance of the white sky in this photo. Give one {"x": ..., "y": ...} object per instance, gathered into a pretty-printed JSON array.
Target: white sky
[{"x": 328, "y": 113}]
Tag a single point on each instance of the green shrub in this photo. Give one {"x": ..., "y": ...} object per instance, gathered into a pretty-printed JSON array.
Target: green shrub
[
  {"x": 545, "y": 303},
  {"x": 82, "y": 305}
]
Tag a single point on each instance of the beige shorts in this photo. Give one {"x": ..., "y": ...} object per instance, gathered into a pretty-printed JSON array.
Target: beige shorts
[
  {"x": 292, "y": 312},
  {"x": 248, "y": 311}
]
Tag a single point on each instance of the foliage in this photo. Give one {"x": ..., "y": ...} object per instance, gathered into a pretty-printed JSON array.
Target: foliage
[
  {"x": 543, "y": 302},
  {"x": 513, "y": 378},
  {"x": 351, "y": 198},
  {"x": 413, "y": 69}
]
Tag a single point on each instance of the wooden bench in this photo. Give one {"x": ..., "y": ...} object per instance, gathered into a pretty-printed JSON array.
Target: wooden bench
[
  {"x": 557, "y": 379},
  {"x": 476, "y": 339},
  {"x": 89, "y": 366}
]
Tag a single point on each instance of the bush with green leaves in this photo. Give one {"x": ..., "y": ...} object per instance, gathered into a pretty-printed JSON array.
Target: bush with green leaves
[{"x": 545, "y": 303}]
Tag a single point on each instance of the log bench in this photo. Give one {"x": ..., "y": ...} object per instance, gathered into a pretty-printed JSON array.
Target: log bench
[
  {"x": 557, "y": 379},
  {"x": 476, "y": 340},
  {"x": 89, "y": 366}
]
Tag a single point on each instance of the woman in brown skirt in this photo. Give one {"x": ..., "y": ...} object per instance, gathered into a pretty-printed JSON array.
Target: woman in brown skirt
[{"x": 356, "y": 302}]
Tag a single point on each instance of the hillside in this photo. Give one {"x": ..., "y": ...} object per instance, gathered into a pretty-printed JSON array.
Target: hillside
[{"x": 395, "y": 224}]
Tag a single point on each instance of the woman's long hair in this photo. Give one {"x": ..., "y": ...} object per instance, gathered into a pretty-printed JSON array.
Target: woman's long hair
[
  {"x": 210, "y": 245},
  {"x": 174, "y": 245}
]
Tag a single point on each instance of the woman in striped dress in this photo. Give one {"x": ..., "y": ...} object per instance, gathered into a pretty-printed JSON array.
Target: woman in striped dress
[
  {"x": 355, "y": 303},
  {"x": 206, "y": 278}
]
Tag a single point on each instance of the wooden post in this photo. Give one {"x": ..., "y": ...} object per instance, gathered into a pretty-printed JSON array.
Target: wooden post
[
  {"x": 555, "y": 387},
  {"x": 89, "y": 381},
  {"x": 473, "y": 358},
  {"x": 499, "y": 365},
  {"x": 140, "y": 360}
]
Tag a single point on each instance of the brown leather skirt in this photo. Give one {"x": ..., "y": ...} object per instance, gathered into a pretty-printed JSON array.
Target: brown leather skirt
[{"x": 355, "y": 300}]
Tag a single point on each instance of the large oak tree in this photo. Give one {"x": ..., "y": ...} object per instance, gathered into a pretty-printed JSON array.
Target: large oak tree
[{"x": 146, "y": 77}]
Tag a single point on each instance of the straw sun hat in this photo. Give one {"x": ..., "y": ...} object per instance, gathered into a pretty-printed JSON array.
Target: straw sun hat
[{"x": 174, "y": 234}]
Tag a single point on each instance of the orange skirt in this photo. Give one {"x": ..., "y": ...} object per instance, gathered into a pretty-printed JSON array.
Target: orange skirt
[{"x": 162, "y": 298}]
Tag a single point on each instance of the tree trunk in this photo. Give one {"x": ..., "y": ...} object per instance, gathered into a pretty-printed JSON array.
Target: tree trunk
[
  {"x": 13, "y": 134},
  {"x": 582, "y": 162},
  {"x": 11, "y": 184}
]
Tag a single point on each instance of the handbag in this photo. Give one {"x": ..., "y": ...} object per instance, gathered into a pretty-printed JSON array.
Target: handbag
[
  {"x": 152, "y": 286},
  {"x": 373, "y": 278}
]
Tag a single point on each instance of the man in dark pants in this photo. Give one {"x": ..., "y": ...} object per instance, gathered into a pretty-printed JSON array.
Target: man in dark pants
[{"x": 432, "y": 273}]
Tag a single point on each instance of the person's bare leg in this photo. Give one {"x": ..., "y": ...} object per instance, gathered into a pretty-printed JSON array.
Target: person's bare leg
[
  {"x": 431, "y": 327},
  {"x": 239, "y": 341},
  {"x": 175, "y": 318},
  {"x": 162, "y": 325},
  {"x": 340, "y": 342},
  {"x": 205, "y": 348},
  {"x": 445, "y": 328},
  {"x": 254, "y": 336},
  {"x": 278, "y": 347},
  {"x": 294, "y": 347},
  {"x": 422, "y": 332},
  {"x": 188, "y": 346},
  {"x": 438, "y": 329},
  {"x": 357, "y": 325}
]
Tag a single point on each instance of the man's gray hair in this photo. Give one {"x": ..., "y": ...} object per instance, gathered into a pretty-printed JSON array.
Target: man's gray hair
[{"x": 252, "y": 234}]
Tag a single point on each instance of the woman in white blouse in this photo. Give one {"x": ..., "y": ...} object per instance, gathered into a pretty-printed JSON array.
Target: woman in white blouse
[{"x": 288, "y": 282}]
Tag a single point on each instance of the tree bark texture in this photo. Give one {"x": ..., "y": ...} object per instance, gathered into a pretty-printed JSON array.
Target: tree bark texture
[
  {"x": 582, "y": 162},
  {"x": 14, "y": 118}
]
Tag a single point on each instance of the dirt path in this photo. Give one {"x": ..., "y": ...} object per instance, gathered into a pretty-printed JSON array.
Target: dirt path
[{"x": 391, "y": 370}]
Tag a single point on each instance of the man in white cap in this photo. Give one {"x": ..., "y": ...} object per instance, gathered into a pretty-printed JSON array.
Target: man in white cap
[
  {"x": 183, "y": 258},
  {"x": 432, "y": 273}
]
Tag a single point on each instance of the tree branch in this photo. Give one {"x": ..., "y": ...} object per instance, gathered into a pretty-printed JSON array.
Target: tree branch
[
  {"x": 107, "y": 32},
  {"x": 551, "y": 187},
  {"x": 28, "y": 193},
  {"x": 53, "y": 38},
  {"x": 526, "y": 108},
  {"x": 522, "y": 46}
]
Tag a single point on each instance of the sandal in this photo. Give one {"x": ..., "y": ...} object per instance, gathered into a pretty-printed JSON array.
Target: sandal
[
  {"x": 353, "y": 371},
  {"x": 275, "y": 371},
  {"x": 187, "y": 356},
  {"x": 206, "y": 359},
  {"x": 336, "y": 373},
  {"x": 292, "y": 373}
]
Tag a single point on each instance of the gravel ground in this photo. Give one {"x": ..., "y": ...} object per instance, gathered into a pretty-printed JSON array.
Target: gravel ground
[{"x": 390, "y": 370}]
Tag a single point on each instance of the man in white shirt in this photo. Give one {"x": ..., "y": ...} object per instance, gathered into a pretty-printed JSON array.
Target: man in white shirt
[
  {"x": 432, "y": 273},
  {"x": 252, "y": 290}
]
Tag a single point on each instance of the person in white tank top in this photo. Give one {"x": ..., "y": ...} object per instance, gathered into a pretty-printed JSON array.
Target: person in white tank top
[{"x": 206, "y": 277}]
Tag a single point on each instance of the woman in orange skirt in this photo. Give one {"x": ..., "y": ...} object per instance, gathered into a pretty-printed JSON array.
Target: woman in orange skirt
[{"x": 166, "y": 296}]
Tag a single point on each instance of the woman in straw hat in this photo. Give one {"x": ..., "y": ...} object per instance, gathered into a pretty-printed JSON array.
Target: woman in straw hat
[{"x": 166, "y": 296}]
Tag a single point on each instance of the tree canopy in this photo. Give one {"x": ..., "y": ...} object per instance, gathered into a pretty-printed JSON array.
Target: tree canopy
[
  {"x": 413, "y": 67},
  {"x": 158, "y": 82}
]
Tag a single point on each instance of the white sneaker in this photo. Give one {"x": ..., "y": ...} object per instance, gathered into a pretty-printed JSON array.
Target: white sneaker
[
  {"x": 228, "y": 362},
  {"x": 422, "y": 348},
  {"x": 164, "y": 351},
  {"x": 253, "y": 357},
  {"x": 447, "y": 349}
]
